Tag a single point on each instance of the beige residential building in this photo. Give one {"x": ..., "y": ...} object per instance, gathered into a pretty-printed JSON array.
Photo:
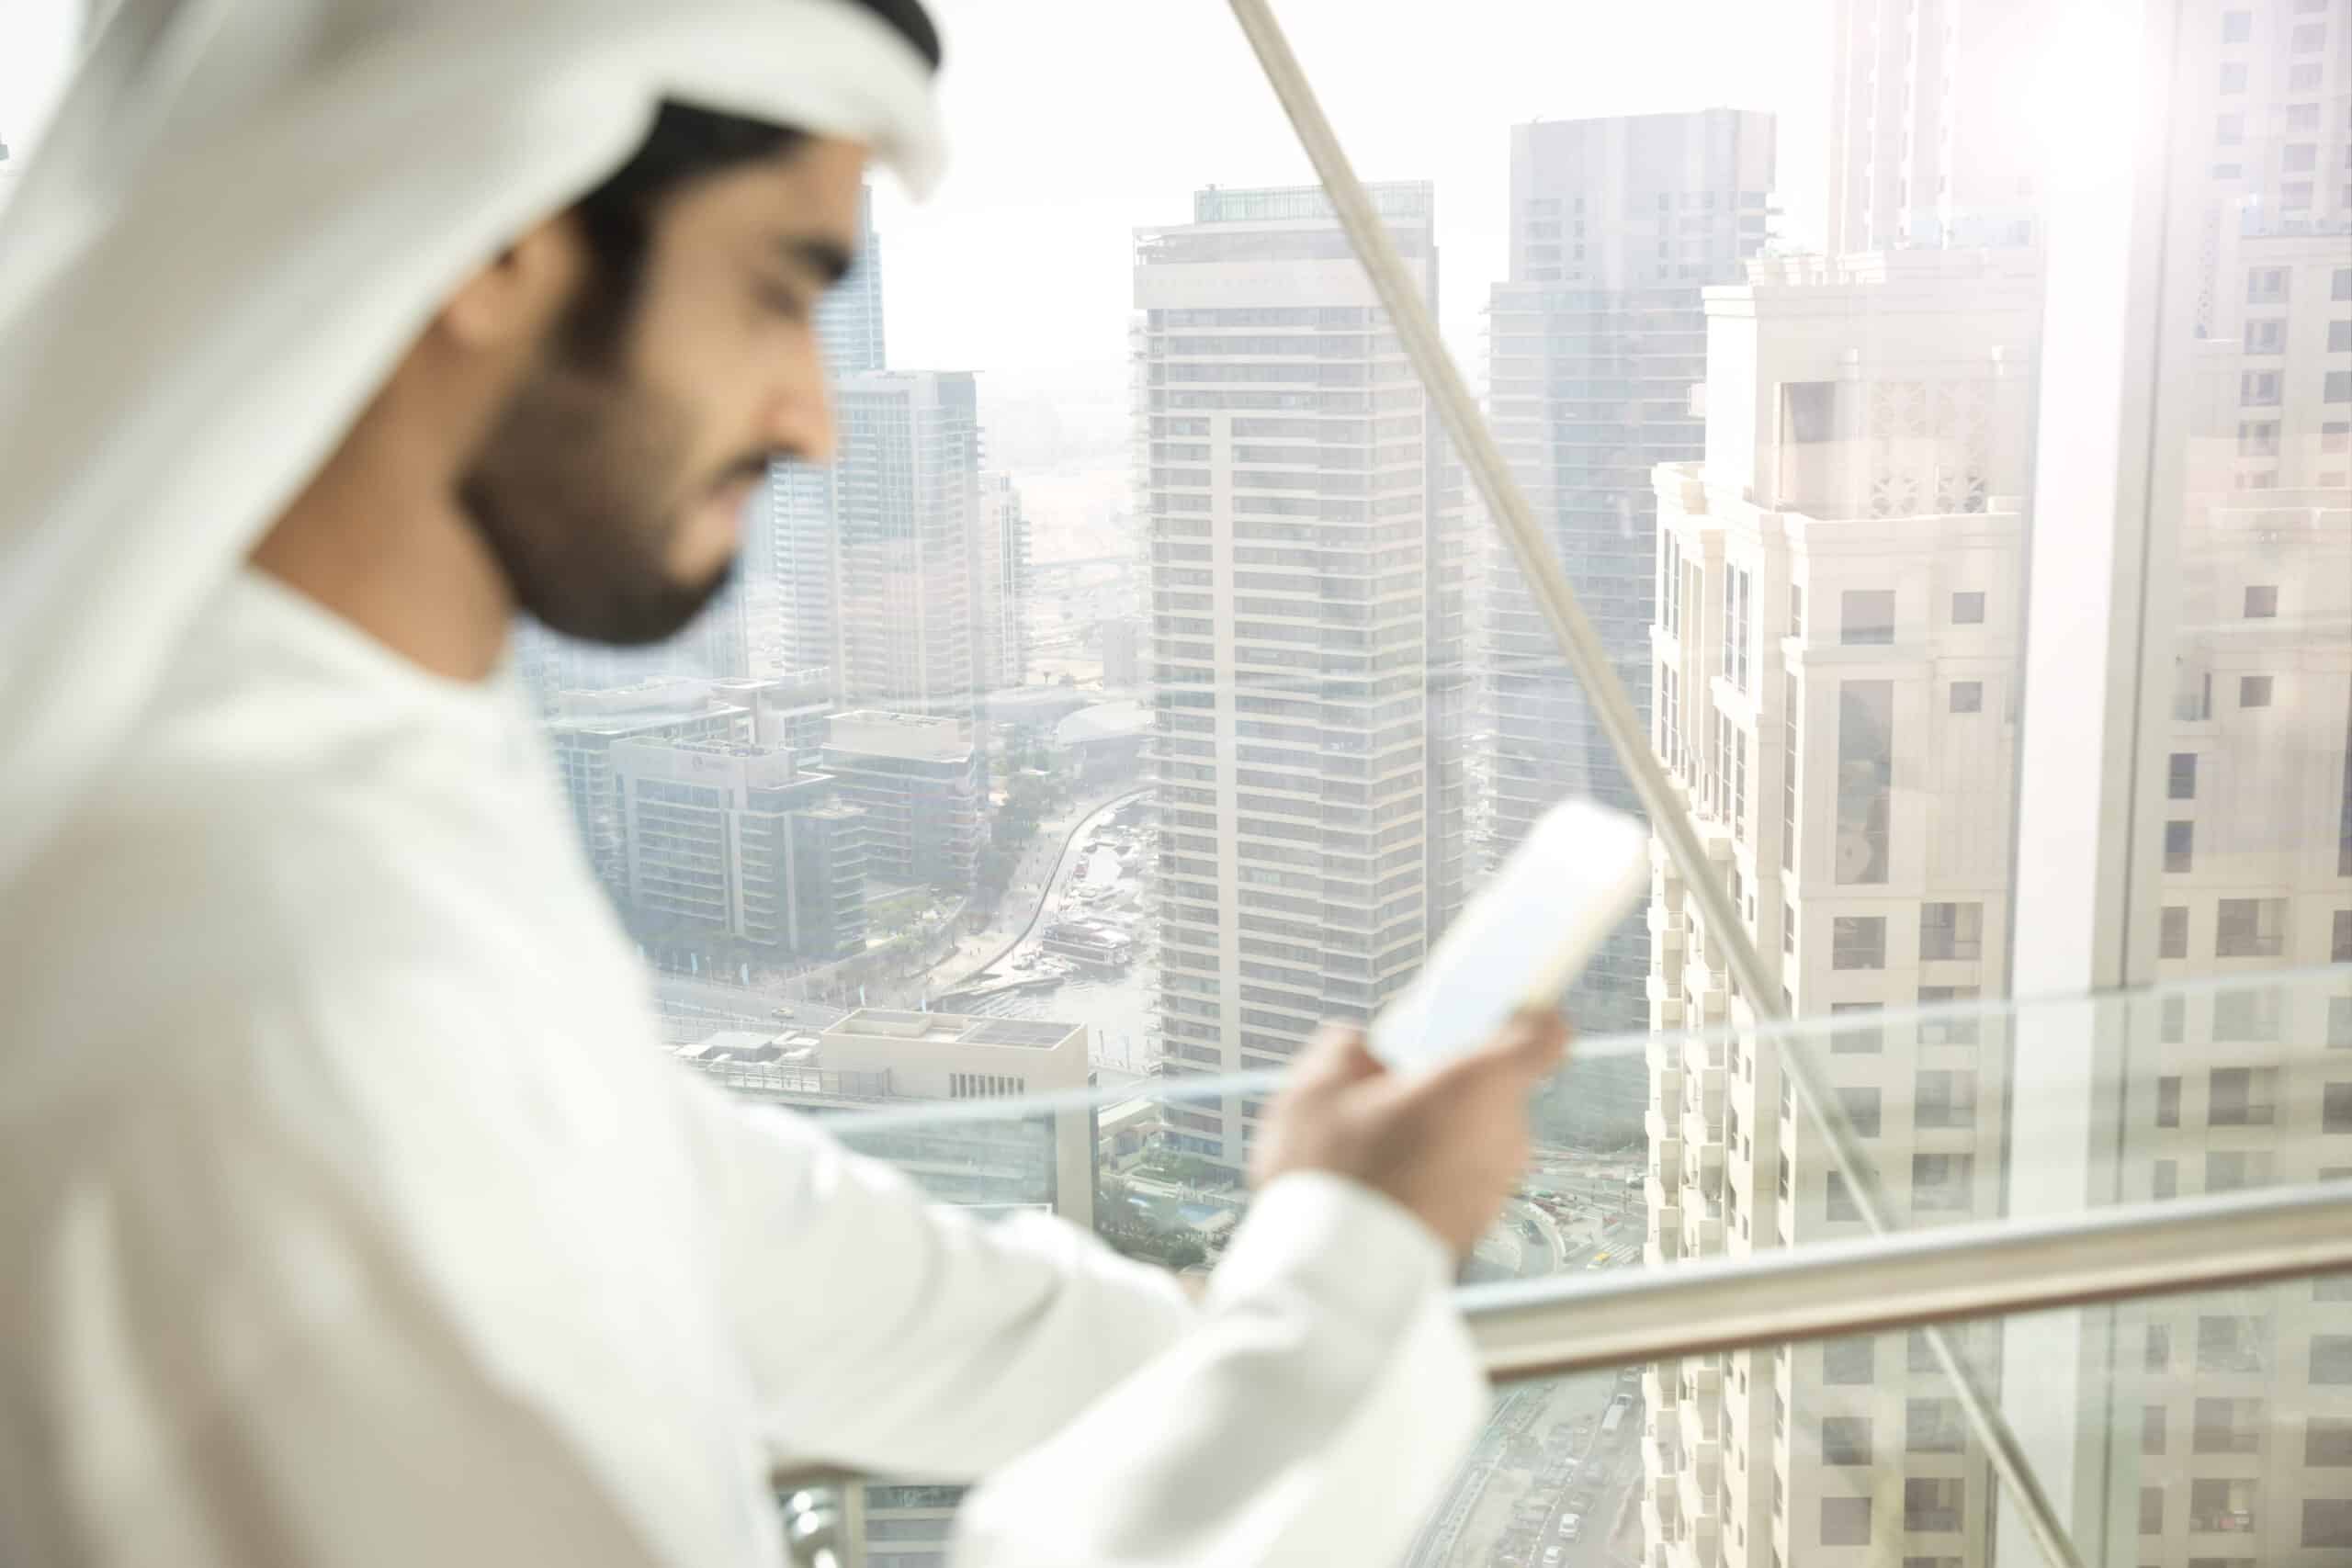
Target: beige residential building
[{"x": 1835, "y": 661}]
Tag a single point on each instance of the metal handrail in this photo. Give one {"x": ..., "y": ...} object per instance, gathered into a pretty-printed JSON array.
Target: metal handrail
[
  {"x": 1987, "y": 1268},
  {"x": 1539, "y": 1328}
]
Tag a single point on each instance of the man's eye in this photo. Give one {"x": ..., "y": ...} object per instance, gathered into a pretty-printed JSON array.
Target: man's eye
[{"x": 783, "y": 300}]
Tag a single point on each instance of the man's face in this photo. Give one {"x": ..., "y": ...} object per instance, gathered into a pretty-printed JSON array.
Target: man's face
[{"x": 612, "y": 487}]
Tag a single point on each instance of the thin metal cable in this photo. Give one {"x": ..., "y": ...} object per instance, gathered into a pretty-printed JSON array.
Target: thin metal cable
[{"x": 1582, "y": 648}]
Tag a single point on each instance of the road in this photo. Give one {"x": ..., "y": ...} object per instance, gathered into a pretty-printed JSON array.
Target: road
[
  {"x": 1540, "y": 1456},
  {"x": 1045, "y": 864}
]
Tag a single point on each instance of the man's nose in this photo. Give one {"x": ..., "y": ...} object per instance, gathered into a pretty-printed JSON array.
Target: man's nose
[{"x": 802, "y": 427}]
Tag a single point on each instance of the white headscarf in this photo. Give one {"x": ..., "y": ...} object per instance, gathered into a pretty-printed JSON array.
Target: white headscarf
[{"x": 242, "y": 216}]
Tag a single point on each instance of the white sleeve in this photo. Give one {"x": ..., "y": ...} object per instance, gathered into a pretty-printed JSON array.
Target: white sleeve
[
  {"x": 891, "y": 1334},
  {"x": 1313, "y": 1417}
]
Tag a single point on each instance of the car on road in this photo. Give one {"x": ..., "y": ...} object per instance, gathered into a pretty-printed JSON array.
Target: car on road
[
  {"x": 1571, "y": 1526},
  {"x": 1550, "y": 1557}
]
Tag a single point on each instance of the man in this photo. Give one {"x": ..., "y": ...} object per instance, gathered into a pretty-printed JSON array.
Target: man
[{"x": 346, "y": 1216}]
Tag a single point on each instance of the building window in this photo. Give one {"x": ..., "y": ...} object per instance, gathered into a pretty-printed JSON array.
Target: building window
[
  {"x": 1788, "y": 929},
  {"x": 2336, "y": 388},
  {"x": 2168, "y": 1100},
  {"x": 1931, "y": 1505},
  {"x": 1846, "y": 1439},
  {"x": 2303, "y": 78},
  {"x": 2236, "y": 1097},
  {"x": 2225, "y": 1427},
  {"x": 2258, "y": 439},
  {"x": 2165, "y": 1180},
  {"x": 1796, "y": 611},
  {"x": 2327, "y": 1442},
  {"x": 1841, "y": 1205},
  {"x": 2260, "y": 389},
  {"x": 1858, "y": 942},
  {"x": 2222, "y": 1505},
  {"x": 1951, "y": 930},
  {"x": 2339, "y": 337},
  {"x": 2180, "y": 776},
  {"x": 1940, "y": 1183},
  {"x": 2234, "y": 1345},
  {"x": 2328, "y": 1521},
  {"x": 2340, "y": 284},
  {"x": 1866, "y": 617},
  {"x": 2180, "y": 843},
  {"x": 2339, "y": 937},
  {"x": 1933, "y": 1427},
  {"x": 1789, "y": 755},
  {"x": 1968, "y": 609},
  {"x": 1844, "y": 1521},
  {"x": 1861, "y": 1109},
  {"x": 2157, "y": 1356},
  {"x": 2335, "y": 1108},
  {"x": 1968, "y": 696},
  {"x": 1851, "y": 1362},
  {"x": 2229, "y": 130},
  {"x": 1865, "y": 779},
  {"x": 2332, "y": 1358},
  {"x": 1849, "y": 1040},
  {"x": 2265, "y": 335},
  {"x": 2253, "y": 691},
  {"x": 2172, "y": 936},
  {"x": 2246, "y": 1016},
  {"x": 2251, "y": 928},
  {"x": 2152, "y": 1428},
  {"x": 1943, "y": 1099},
  {"x": 2309, "y": 38},
  {"x": 2237, "y": 26},
  {"x": 1735, "y": 606},
  {"x": 2232, "y": 79},
  {"x": 2152, "y": 1510},
  {"x": 2339, "y": 1023}
]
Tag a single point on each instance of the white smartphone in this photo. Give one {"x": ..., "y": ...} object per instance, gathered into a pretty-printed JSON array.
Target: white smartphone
[{"x": 1522, "y": 938}]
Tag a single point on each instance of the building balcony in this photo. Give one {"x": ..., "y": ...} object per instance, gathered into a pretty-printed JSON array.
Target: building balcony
[
  {"x": 1699, "y": 1428},
  {"x": 1695, "y": 1496}
]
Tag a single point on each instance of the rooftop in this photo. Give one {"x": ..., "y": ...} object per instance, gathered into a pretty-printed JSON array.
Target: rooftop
[
  {"x": 1391, "y": 198},
  {"x": 955, "y": 1027},
  {"x": 919, "y": 736}
]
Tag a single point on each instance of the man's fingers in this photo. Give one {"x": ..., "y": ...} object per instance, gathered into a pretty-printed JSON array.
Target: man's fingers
[
  {"x": 1538, "y": 1038},
  {"x": 1338, "y": 1055}
]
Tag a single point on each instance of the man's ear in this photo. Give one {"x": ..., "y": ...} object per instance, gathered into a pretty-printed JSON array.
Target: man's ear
[{"x": 516, "y": 294}]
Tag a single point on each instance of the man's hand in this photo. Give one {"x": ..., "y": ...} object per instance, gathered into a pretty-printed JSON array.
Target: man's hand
[{"x": 1450, "y": 1146}]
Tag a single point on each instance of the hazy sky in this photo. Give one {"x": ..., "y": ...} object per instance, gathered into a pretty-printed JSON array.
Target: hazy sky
[{"x": 1073, "y": 121}]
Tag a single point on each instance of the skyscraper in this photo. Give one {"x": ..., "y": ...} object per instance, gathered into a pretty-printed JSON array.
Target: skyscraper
[
  {"x": 1928, "y": 142},
  {"x": 1597, "y": 341},
  {"x": 1837, "y": 690},
  {"x": 907, "y": 542},
  {"x": 1836, "y": 654},
  {"x": 1004, "y": 583},
  {"x": 1308, "y": 589},
  {"x": 791, "y": 552},
  {"x": 1836, "y": 658}
]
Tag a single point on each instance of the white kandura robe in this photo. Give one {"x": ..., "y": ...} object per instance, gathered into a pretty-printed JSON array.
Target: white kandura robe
[{"x": 349, "y": 1215}]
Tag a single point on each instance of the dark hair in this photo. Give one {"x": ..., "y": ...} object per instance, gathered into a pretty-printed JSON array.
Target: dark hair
[{"x": 685, "y": 144}]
